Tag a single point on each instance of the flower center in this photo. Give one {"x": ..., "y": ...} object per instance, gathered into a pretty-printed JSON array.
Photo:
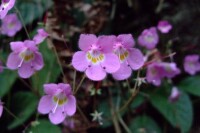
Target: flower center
[
  {"x": 60, "y": 100},
  {"x": 27, "y": 55},
  {"x": 121, "y": 52},
  {"x": 149, "y": 38},
  {"x": 95, "y": 55},
  {"x": 5, "y": 3}
]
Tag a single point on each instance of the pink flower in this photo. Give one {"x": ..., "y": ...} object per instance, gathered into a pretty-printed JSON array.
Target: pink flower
[
  {"x": 97, "y": 57},
  {"x": 158, "y": 70},
  {"x": 40, "y": 36},
  {"x": 192, "y": 64},
  {"x": 164, "y": 26},
  {"x": 149, "y": 38},
  {"x": 129, "y": 57},
  {"x": 25, "y": 57},
  {"x": 10, "y": 25},
  {"x": 175, "y": 94},
  {"x": 5, "y": 6},
  {"x": 58, "y": 102},
  {"x": 1, "y": 108}
]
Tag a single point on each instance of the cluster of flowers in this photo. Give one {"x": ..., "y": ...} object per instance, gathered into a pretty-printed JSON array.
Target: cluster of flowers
[{"x": 10, "y": 23}]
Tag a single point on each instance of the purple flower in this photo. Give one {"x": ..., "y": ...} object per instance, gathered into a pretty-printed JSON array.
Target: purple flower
[
  {"x": 129, "y": 57},
  {"x": 10, "y": 25},
  {"x": 164, "y": 26},
  {"x": 158, "y": 70},
  {"x": 192, "y": 64},
  {"x": 5, "y": 6},
  {"x": 40, "y": 36},
  {"x": 25, "y": 57},
  {"x": 58, "y": 102},
  {"x": 149, "y": 38},
  {"x": 97, "y": 57},
  {"x": 1, "y": 108},
  {"x": 175, "y": 94}
]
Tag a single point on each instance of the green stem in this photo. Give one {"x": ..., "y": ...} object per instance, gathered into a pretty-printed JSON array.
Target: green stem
[
  {"x": 74, "y": 80},
  {"x": 79, "y": 85},
  {"x": 21, "y": 18},
  {"x": 134, "y": 93}
]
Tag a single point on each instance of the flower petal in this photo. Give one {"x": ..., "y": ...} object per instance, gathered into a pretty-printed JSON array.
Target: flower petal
[
  {"x": 38, "y": 62},
  {"x": 86, "y": 40},
  {"x": 17, "y": 46},
  {"x": 1, "y": 109},
  {"x": 3, "y": 13},
  {"x": 123, "y": 73},
  {"x": 96, "y": 73},
  {"x": 70, "y": 106},
  {"x": 13, "y": 61},
  {"x": 135, "y": 59},
  {"x": 111, "y": 63},
  {"x": 51, "y": 89},
  {"x": 26, "y": 70},
  {"x": 126, "y": 40},
  {"x": 58, "y": 116},
  {"x": 45, "y": 104},
  {"x": 106, "y": 43},
  {"x": 79, "y": 61},
  {"x": 31, "y": 45},
  {"x": 66, "y": 88}
]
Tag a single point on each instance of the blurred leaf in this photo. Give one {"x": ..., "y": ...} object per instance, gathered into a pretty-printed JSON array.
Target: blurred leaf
[
  {"x": 49, "y": 72},
  {"x": 137, "y": 101},
  {"x": 33, "y": 9},
  {"x": 179, "y": 114},
  {"x": 7, "y": 79},
  {"x": 23, "y": 106},
  {"x": 44, "y": 126},
  {"x": 144, "y": 124},
  {"x": 191, "y": 85}
]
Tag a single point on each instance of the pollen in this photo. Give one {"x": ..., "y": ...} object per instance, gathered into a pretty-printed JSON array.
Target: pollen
[{"x": 27, "y": 55}]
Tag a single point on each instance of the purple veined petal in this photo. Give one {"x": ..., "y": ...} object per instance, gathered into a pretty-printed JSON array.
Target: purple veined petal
[
  {"x": 191, "y": 64},
  {"x": 17, "y": 46},
  {"x": 45, "y": 104},
  {"x": 58, "y": 116},
  {"x": 40, "y": 36},
  {"x": 154, "y": 74},
  {"x": 38, "y": 62},
  {"x": 135, "y": 59},
  {"x": 127, "y": 40},
  {"x": 11, "y": 4},
  {"x": 66, "y": 88},
  {"x": 70, "y": 106},
  {"x": 123, "y": 73},
  {"x": 106, "y": 43},
  {"x": 26, "y": 70},
  {"x": 164, "y": 26},
  {"x": 95, "y": 73},
  {"x": 86, "y": 40},
  {"x": 31, "y": 45},
  {"x": 1, "y": 109},
  {"x": 51, "y": 89},
  {"x": 3, "y": 13},
  {"x": 111, "y": 63},
  {"x": 79, "y": 61},
  {"x": 13, "y": 61}
]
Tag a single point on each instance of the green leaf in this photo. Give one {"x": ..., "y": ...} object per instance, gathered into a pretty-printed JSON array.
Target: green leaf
[
  {"x": 33, "y": 9},
  {"x": 138, "y": 100},
  {"x": 144, "y": 124},
  {"x": 49, "y": 72},
  {"x": 190, "y": 85},
  {"x": 23, "y": 106},
  {"x": 44, "y": 126},
  {"x": 179, "y": 114},
  {"x": 7, "y": 79}
]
